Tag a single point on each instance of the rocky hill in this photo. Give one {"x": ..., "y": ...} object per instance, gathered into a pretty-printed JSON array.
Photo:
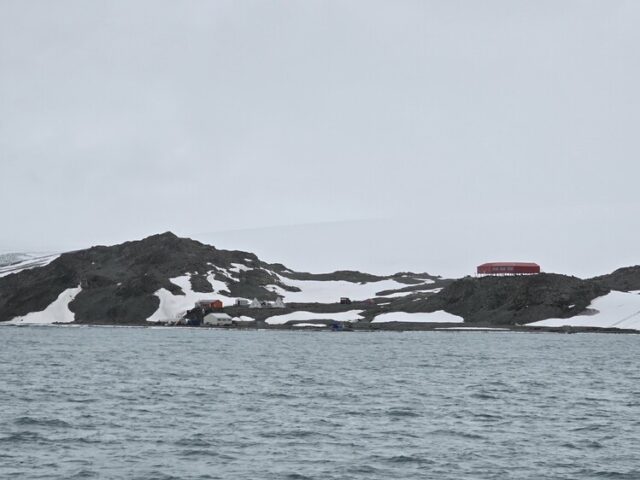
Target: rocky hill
[
  {"x": 161, "y": 277},
  {"x": 606, "y": 301},
  {"x": 512, "y": 300}
]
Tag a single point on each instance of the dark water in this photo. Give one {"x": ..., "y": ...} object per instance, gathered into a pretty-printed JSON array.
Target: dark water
[{"x": 136, "y": 403}]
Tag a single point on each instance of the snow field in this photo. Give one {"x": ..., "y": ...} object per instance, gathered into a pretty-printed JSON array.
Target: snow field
[
  {"x": 614, "y": 310},
  {"x": 350, "y": 316},
  {"x": 330, "y": 291},
  {"x": 434, "y": 317}
]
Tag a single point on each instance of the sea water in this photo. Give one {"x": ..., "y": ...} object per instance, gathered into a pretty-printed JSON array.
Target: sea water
[{"x": 179, "y": 403}]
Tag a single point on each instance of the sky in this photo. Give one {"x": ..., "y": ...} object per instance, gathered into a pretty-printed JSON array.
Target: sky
[{"x": 381, "y": 136}]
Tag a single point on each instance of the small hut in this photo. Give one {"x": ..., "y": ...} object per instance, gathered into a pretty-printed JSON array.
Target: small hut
[
  {"x": 217, "y": 320},
  {"x": 255, "y": 303},
  {"x": 278, "y": 303}
]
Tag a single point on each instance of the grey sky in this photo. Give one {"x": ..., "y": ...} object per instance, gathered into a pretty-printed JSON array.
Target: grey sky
[{"x": 415, "y": 134}]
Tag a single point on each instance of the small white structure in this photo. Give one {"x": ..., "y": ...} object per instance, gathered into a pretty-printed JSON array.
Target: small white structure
[
  {"x": 242, "y": 302},
  {"x": 255, "y": 303},
  {"x": 278, "y": 303},
  {"x": 217, "y": 319}
]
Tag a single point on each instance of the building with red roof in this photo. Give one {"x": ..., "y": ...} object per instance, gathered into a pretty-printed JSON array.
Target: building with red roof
[{"x": 508, "y": 268}]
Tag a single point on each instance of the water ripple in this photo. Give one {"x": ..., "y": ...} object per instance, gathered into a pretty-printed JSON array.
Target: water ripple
[{"x": 151, "y": 404}]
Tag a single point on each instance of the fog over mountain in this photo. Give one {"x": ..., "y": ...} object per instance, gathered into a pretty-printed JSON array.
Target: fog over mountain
[{"x": 378, "y": 136}]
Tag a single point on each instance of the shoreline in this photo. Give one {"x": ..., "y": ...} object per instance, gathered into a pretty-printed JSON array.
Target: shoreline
[{"x": 380, "y": 327}]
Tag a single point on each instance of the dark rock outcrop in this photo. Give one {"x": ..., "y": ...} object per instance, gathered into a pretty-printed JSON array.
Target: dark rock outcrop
[
  {"x": 510, "y": 300},
  {"x": 623, "y": 279}
]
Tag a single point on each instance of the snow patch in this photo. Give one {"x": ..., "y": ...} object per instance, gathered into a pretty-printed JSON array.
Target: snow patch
[
  {"x": 238, "y": 267},
  {"x": 317, "y": 325},
  {"x": 227, "y": 273},
  {"x": 173, "y": 306},
  {"x": 474, "y": 328},
  {"x": 614, "y": 310},
  {"x": 434, "y": 317},
  {"x": 57, "y": 312},
  {"x": 350, "y": 316},
  {"x": 217, "y": 285},
  {"x": 404, "y": 294}
]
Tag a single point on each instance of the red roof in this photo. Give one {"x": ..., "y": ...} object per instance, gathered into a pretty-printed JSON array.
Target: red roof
[
  {"x": 508, "y": 268},
  {"x": 509, "y": 264}
]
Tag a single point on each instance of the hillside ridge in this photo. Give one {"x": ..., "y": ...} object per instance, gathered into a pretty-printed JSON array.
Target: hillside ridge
[{"x": 159, "y": 278}]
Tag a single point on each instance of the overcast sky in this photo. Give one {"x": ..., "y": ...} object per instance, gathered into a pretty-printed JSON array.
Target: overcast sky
[{"x": 423, "y": 135}]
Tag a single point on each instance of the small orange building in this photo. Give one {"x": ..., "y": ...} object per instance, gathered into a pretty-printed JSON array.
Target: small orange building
[
  {"x": 217, "y": 305},
  {"x": 212, "y": 304}
]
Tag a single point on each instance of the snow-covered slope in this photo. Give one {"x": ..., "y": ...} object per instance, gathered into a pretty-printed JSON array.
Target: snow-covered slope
[
  {"x": 56, "y": 312},
  {"x": 12, "y": 257},
  {"x": 17, "y": 262},
  {"x": 172, "y": 307},
  {"x": 330, "y": 291},
  {"x": 614, "y": 310}
]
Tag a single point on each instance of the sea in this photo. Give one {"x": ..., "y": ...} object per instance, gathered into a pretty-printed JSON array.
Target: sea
[{"x": 193, "y": 403}]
